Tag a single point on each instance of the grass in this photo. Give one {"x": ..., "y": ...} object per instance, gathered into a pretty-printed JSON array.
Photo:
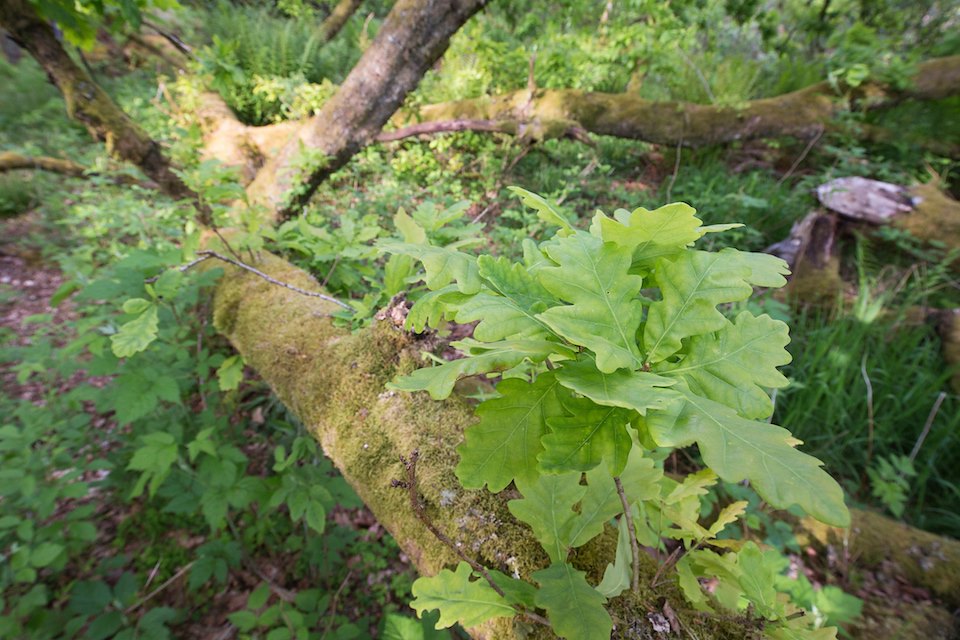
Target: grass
[{"x": 863, "y": 389}]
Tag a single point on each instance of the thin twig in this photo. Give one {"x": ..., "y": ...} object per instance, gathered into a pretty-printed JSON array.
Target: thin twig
[
  {"x": 676, "y": 168},
  {"x": 224, "y": 241},
  {"x": 669, "y": 562},
  {"x": 326, "y": 278},
  {"x": 634, "y": 547},
  {"x": 139, "y": 603},
  {"x": 926, "y": 427},
  {"x": 866, "y": 379},
  {"x": 334, "y": 603},
  {"x": 207, "y": 254},
  {"x": 410, "y": 484},
  {"x": 800, "y": 158}
]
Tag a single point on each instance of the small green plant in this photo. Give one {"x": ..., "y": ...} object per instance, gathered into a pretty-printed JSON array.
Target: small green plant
[
  {"x": 890, "y": 482},
  {"x": 612, "y": 345}
]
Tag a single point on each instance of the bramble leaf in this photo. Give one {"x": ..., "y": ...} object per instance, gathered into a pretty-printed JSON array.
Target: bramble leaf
[
  {"x": 575, "y": 609},
  {"x": 636, "y": 390},
  {"x": 459, "y": 599},
  {"x": 482, "y": 358},
  {"x": 605, "y": 313},
  {"x": 734, "y": 366},
  {"x": 504, "y": 445},
  {"x": 692, "y": 285},
  {"x": 737, "y": 448}
]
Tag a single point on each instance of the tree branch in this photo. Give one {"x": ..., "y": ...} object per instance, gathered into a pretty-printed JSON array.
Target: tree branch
[
  {"x": 334, "y": 22},
  {"x": 414, "y": 35},
  {"x": 10, "y": 161},
  {"x": 86, "y": 102},
  {"x": 802, "y": 113}
]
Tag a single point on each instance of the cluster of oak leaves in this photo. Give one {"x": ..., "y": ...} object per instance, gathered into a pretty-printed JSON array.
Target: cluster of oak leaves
[{"x": 612, "y": 346}]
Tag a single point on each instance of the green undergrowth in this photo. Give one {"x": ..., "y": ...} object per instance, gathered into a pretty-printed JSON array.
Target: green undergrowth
[
  {"x": 269, "y": 67},
  {"x": 166, "y": 466}
]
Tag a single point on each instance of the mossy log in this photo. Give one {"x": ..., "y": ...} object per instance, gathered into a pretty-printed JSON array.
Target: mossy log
[
  {"x": 10, "y": 161},
  {"x": 86, "y": 102},
  {"x": 334, "y": 381},
  {"x": 802, "y": 113}
]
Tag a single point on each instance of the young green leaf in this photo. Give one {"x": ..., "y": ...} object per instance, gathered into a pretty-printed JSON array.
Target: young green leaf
[
  {"x": 692, "y": 285},
  {"x": 434, "y": 307},
  {"x": 504, "y": 445},
  {"x": 459, "y": 599},
  {"x": 605, "y": 313},
  {"x": 663, "y": 232},
  {"x": 442, "y": 264},
  {"x": 574, "y": 608},
  {"x": 599, "y": 505},
  {"x": 136, "y": 335},
  {"x": 737, "y": 448},
  {"x": 546, "y": 210},
  {"x": 547, "y": 506},
  {"x": 636, "y": 390},
  {"x": 734, "y": 366},
  {"x": 587, "y": 437},
  {"x": 230, "y": 373},
  {"x": 482, "y": 358},
  {"x": 412, "y": 232},
  {"x": 617, "y": 576},
  {"x": 516, "y": 591},
  {"x": 765, "y": 270},
  {"x": 512, "y": 308}
]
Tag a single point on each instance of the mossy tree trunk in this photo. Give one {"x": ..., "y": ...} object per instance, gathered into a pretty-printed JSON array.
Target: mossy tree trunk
[
  {"x": 86, "y": 102},
  {"x": 334, "y": 381},
  {"x": 413, "y": 37},
  {"x": 804, "y": 113},
  {"x": 334, "y": 22}
]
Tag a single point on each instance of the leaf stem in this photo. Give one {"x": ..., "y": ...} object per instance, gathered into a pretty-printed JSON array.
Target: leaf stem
[{"x": 634, "y": 547}]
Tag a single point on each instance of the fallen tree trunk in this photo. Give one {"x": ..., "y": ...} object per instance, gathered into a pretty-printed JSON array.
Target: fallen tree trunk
[
  {"x": 334, "y": 381},
  {"x": 802, "y": 113}
]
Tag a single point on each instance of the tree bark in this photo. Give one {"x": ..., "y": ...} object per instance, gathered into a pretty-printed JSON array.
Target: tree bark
[
  {"x": 10, "y": 161},
  {"x": 801, "y": 113},
  {"x": 334, "y": 22},
  {"x": 414, "y": 35},
  {"x": 86, "y": 102}
]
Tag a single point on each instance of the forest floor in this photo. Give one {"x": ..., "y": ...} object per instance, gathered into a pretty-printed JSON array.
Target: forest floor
[{"x": 27, "y": 284}]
